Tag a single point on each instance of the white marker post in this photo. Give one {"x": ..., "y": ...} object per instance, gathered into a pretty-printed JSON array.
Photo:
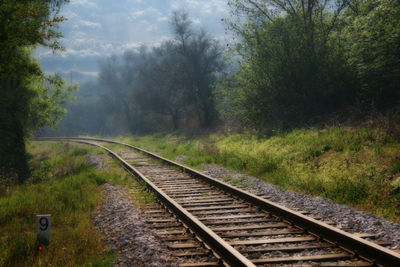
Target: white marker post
[{"x": 43, "y": 229}]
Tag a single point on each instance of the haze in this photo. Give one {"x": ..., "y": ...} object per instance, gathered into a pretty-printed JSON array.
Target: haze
[{"x": 98, "y": 28}]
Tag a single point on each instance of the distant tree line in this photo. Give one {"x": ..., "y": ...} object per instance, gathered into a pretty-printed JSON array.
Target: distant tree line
[
  {"x": 294, "y": 63},
  {"x": 164, "y": 88}
]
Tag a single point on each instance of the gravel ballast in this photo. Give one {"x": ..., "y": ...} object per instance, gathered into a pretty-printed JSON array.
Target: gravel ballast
[
  {"x": 343, "y": 216},
  {"x": 98, "y": 161},
  {"x": 125, "y": 232}
]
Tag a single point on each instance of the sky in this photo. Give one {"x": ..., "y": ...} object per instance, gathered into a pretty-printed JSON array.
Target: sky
[{"x": 98, "y": 28}]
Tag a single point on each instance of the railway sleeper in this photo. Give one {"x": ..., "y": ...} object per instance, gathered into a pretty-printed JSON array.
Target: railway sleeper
[
  {"x": 228, "y": 217},
  {"x": 195, "y": 264},
  {"x": 272, "y": 241},
  {"x": 248, "y": 227},
  {"x": 201, "y": 201},
  {"x": 263, "y": 233},
  {"x": 324, "y": 257},
  {"x": 222, "y": 211},
  {"x": 207, "y": 204},
  {"x": 191, "y": 253},
  {"x": 286, "y": 248},
  {"x": 240, "y": 221},
  {"x": 218, "y": 207}
]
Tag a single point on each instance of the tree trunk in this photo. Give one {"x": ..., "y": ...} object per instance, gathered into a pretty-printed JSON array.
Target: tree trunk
[
  {"x": 13, "y": 160},
  {"x": 13, "y": 112}
]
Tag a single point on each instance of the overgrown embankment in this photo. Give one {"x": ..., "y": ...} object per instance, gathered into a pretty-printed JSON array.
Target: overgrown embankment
[
  {"x": 64, "y": 185},
  {"x": 359, "y": 167}
]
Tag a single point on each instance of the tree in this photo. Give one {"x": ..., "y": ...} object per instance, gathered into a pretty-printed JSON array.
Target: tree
[
  {"x": 30, "y": 99},
  {"x": 161, "y": 86},
  {"x": 372, "y": 35},
  {"x": 166, "y": 84},
  {"x": 201, "y": 60},
  {"x": 292, "y": 70},
  {"x": 84, "y": 117},
  {"x": 117, "y": 74}
]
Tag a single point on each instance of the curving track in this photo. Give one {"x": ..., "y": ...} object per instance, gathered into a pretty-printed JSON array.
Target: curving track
[{"x": 217, "y": 223}]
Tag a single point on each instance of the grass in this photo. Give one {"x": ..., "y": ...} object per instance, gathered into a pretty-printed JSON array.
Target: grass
[
  {"x": 141, "y": 194},
  {"x": 358, "y": 167},
  {"x": 63, "y": 185}
]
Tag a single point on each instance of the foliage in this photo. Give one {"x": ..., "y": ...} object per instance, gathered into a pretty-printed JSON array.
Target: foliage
[
  {"x": 291, "y": 70},
  {"x": 372, "y": 35},
  {"x": 201, "y": 56},
  {"x": 116, "y": 76},
  {"x": 64, "y": 185},
  {"x": 84, "y": 115},
  {"x": 30, "y": 99},
  {"x": 46, "y": 108},
  {"x": 175, "y": 78},
  {"x": 27, "y": 23},
  {"x": 177, "y": 81},
  {"x": 302, "y": 61}
]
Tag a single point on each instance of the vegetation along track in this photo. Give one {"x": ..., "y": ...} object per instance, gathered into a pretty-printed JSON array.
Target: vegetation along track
[{"x": 241, "y": 229}]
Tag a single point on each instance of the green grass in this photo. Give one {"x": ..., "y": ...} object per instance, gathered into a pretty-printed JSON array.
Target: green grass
[
  {"x": 171, "y": 146},
  {"x": 63, "y": 185},
  {"x": 359, "y": 167}
]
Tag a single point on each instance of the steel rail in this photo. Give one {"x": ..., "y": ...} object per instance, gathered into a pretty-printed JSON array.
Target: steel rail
[
  {"x": 220, "y": 246},
  {"x": 359, "y": 246}
]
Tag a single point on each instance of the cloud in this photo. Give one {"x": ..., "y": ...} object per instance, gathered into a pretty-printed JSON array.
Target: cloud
[
  {"x": 98, "y": 28},
  {"x": 196, "y": 21},
  {"x": 70, "y": 15},
  {"x": 136, "y": 14},
  {"x": 202, "y": 6},
  {"x": 151, "y": 28},
  {"x": 90, "y": 24},
  {"x": 83, "y": 3},
  {"x": 162, "y": 19},
  {"x": 149, "y": 13}
]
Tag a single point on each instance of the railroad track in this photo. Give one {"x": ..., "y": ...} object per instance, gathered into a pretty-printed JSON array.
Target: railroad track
[{"x": 210, "y": 223}]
